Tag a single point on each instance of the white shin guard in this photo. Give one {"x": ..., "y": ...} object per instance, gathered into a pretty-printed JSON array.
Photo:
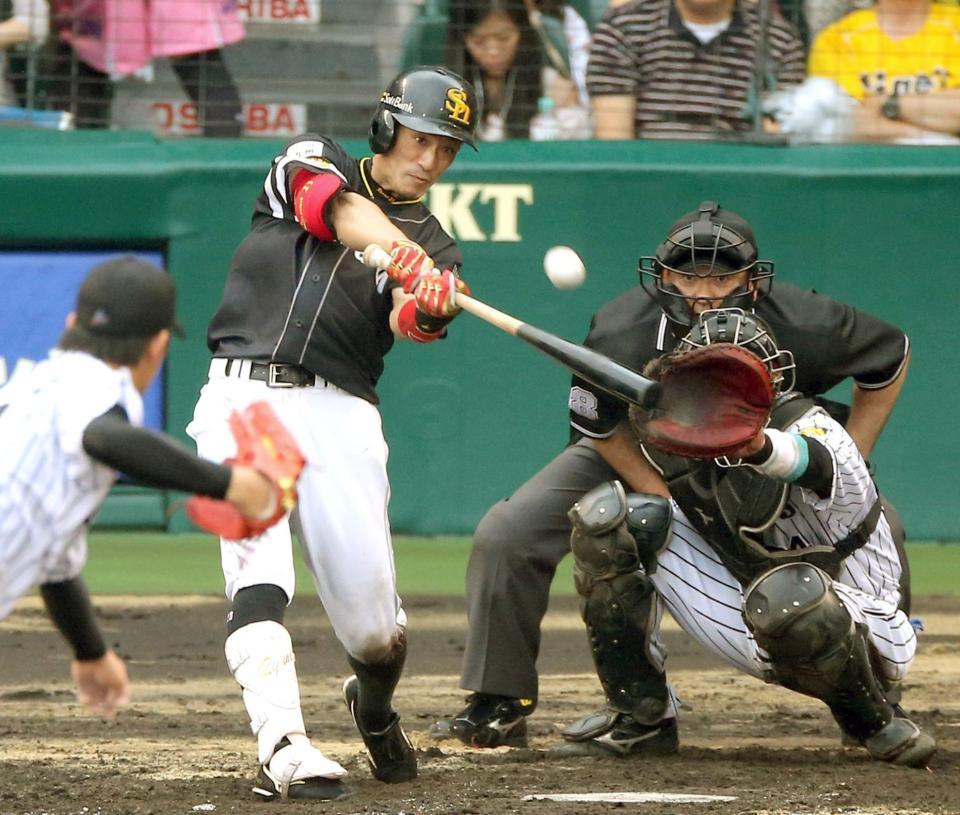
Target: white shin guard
[{"x": 260, "y": 656}]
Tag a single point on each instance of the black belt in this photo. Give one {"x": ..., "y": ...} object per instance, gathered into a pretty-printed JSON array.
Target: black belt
[{"x": 278, "y": 374}]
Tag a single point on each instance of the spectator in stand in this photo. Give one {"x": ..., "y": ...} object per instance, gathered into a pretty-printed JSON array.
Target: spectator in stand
[
  {"x": 901, "y": 61},
  {"x": 499, "y": 45},
  {"x": 103, "y": 40},
  {"x": 27, "y": 23},
  {"x": 684, "y": 69}
]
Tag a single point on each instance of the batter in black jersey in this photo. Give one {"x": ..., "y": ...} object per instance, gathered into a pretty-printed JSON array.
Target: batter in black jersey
[
  {"x": 520, "y": 540},
  {"x": 304, "y": 324},
  {"x": 295, "y": 297}
]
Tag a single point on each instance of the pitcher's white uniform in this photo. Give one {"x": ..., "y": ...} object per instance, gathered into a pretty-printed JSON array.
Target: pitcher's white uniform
[{"x": 49, "y": 487}]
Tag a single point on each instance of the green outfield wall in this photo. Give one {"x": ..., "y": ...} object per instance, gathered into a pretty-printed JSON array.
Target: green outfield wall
[{"x": 470, "y": 418}]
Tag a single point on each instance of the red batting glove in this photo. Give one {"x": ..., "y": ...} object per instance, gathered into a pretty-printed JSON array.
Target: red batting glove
[
  {"x": 436, "y": 294},
  {"x": 408, "y": 262}
]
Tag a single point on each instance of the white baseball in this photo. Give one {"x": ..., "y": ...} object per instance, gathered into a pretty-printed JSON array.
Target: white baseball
[{"x": 564, "y": 267}]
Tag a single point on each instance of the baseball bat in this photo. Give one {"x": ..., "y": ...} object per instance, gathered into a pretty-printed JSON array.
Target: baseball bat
[{"x": 594, "y": 367}]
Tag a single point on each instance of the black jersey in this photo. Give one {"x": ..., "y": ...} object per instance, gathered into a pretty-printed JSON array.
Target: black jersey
[
  {"x": 830, "y": 342},
  {"x": 292, "y": 297}
]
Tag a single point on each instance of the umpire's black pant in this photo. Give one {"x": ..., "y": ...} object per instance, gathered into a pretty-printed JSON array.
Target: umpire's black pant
[{"x": 516, "y": 549}]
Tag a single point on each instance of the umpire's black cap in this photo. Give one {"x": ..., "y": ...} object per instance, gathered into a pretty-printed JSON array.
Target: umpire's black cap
[{"x": 127, "y": 297}]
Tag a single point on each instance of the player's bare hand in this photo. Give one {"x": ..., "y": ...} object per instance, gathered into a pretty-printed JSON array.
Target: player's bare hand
[
  {"x": 102, "y": 684},
  {"x": 408, "y": 262},
  {"x": 436, "y": 294}
]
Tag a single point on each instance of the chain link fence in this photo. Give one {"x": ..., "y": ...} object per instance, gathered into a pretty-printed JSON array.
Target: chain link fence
[{"x": 748, "y": 70}]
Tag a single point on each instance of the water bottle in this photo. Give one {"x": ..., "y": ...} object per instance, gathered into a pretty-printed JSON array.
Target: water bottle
[{"x": 544, "y": 126}]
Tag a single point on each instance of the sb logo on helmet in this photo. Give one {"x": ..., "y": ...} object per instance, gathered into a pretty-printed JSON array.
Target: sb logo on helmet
[{"x": 457, "y": 105}]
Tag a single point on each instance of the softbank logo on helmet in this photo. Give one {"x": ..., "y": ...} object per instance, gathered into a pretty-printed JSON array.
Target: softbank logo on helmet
[
  {"x": 457, "y": 105},
  {"x": 396, "y": 102}
]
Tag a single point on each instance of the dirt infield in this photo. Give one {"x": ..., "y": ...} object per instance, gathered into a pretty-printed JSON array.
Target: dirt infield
[{"x": 184, "y": 746}]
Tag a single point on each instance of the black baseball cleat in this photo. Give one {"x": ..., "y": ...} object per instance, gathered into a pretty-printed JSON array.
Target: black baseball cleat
[
  {"x": 901, "y": 742},
  {"x": 389, "y": 753},
  {"x": 488, "y": 721},
  {"x": 294, "y": 773},
  {"x": 611, "y": 733},
  {"x": 846, "y": 740}
]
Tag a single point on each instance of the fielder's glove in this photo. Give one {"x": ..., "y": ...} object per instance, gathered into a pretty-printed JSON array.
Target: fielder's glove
[
  {"x": 713, "y": 400},
  {"x": 264, "y": 444}
]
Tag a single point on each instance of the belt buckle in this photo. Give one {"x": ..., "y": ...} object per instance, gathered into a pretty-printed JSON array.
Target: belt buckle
[{"x": 273, "y": 369}]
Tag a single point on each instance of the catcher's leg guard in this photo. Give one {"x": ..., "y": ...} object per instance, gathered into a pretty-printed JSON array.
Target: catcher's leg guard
[
  {"x": 817, "y": 649},
  {"x": 614, "y": 536}
]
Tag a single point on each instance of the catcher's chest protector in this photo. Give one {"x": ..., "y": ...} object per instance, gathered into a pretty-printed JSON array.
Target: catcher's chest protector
[{"x": 733, "y": 507}]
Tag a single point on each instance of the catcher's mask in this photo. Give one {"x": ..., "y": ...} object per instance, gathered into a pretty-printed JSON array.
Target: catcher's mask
[
  {"x": 428, "y": 99},
  {"x": 710, "y": 242},
  {"x": 735, "y": 326}
]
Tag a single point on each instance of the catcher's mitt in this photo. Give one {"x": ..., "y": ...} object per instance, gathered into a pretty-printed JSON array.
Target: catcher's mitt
[
  {"x": 264, "y": 444},
  {"x": 713, "y": 400}
]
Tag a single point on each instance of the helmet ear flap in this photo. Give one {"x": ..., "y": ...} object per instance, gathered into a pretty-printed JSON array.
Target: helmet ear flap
[{"x": 382, "y": 130}]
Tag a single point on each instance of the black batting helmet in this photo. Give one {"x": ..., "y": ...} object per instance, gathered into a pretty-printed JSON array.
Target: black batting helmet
[
  {"x": 428, "y": 99},
  {"x": 748, "y": 331},
  {"x": 708, "y": 242}
]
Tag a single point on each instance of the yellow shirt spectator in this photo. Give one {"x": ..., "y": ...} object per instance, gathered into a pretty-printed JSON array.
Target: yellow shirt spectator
[{"x": 864, "y": 60}]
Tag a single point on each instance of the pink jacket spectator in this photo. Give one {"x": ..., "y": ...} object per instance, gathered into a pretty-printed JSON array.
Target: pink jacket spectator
[{"x": 119, "y": 37}]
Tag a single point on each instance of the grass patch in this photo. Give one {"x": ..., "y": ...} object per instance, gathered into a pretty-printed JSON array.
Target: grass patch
[{"x": 157, "y": 563}]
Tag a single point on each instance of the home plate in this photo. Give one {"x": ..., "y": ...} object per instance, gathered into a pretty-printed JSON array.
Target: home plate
[{"x": 633, "y": 797}]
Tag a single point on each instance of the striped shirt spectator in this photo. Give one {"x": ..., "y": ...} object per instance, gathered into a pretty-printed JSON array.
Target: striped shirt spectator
[{"x": 678, "y": 69}]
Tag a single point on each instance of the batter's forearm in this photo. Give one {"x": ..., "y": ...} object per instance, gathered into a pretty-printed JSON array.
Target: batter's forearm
[{"x": 358, "y": 222}]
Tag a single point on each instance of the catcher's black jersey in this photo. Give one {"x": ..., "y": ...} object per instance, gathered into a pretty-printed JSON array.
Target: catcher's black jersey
[
  {"x": 292, "y": 297},
  {"x": 830, "y": 342}
]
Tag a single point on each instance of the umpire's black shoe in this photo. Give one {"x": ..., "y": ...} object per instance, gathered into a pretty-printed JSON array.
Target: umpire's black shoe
[
  {"x": 609, "y": 732},
  {"x": 389, "y": 753},
  {"x": 488, "y": 721}
]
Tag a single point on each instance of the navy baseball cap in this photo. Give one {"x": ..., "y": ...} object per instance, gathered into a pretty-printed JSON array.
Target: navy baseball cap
[{"x": 127, "y": 297}]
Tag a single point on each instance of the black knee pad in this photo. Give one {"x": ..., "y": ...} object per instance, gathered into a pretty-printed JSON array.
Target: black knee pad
[
  {"x": 255, "y": 604},
  {"x": 815, "y": 647},
  {"x": 615, "y": 533},
  {"x": 794, "y": 612}
]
